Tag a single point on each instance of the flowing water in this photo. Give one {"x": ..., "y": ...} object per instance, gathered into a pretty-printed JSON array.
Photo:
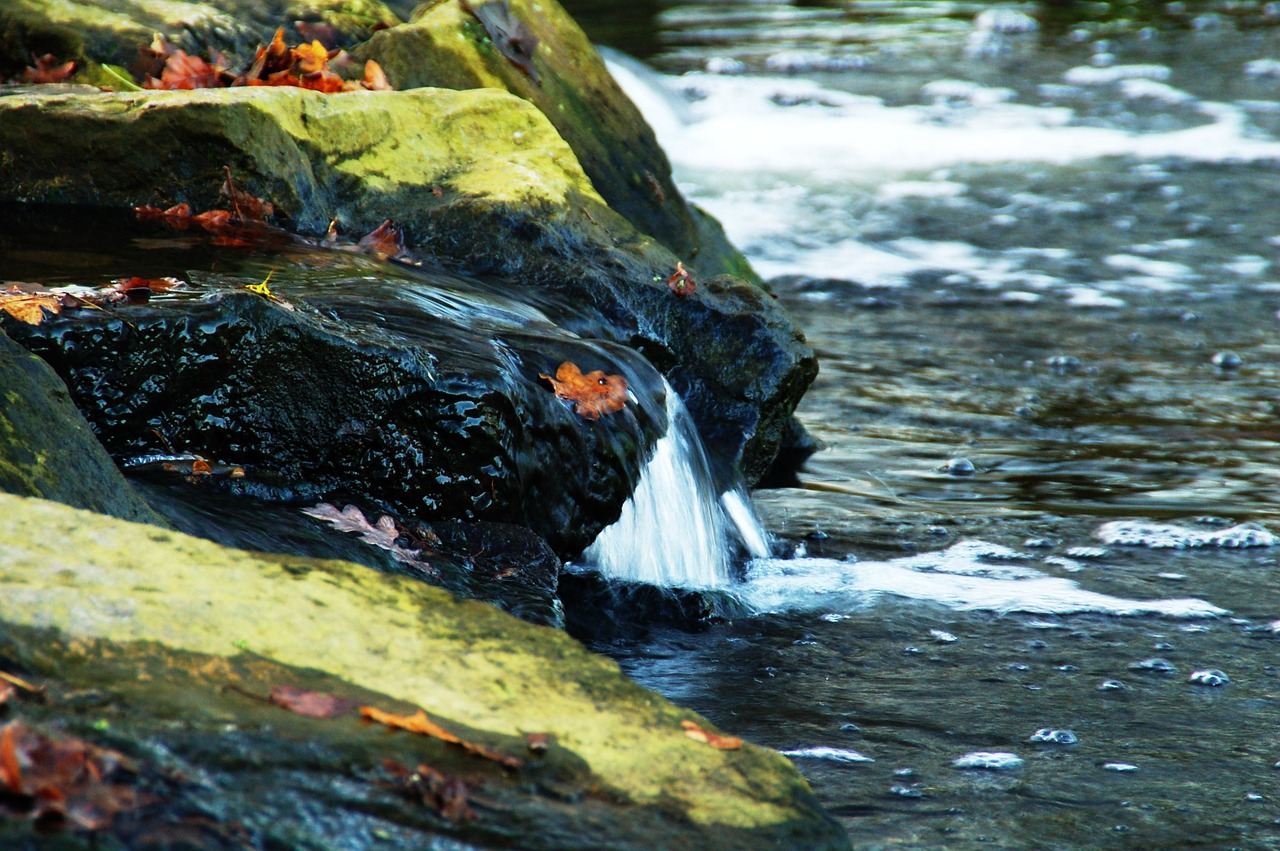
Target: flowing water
[{"x": 1029, "y": 592}]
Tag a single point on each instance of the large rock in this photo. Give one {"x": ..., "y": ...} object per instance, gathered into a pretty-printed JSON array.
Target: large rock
[
  {"x": 138, "y": 631},
  {"x": 478, "y": 179},
  {"x": 46, "y": 447}
]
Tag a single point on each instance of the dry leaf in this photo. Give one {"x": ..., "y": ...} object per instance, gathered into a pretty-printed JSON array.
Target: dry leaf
[
  {"x": 384, "y": 240},
  {"x": 384, "y": 534},
  {"x": 593, "y": 394},
  {"x": 30, "y": 307},
  {"x": 47, "y": 70},
  {"x": 7, "y": 691},
  {"x": 313, "y": 704},
  {"x": 724, "y": 743},
  {"x": 448, "y": 794},
  {"x": 245, "y": 206},
  {"x": 183, "y": 71},
  {"x": 538, "y": 742},
  {"x": 681, "y": 283},
  {"x": 420, "y": 723},
  {"x": 375, "y": 79}
]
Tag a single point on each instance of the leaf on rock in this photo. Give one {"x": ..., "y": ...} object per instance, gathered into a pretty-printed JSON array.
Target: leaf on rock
[
  {"x": 724, "y": 743},
  {"x": 508, "y": 34},
  {"x": 183, "y": 71},
  {"x": 31, "y": 307},
  {"x": 592, "y": 394},
  {"x": 375, "y": 79},
  {"x": 139, "y": 290},
  {"x": 538, "y": 742},
  {"x": 246, "y": 207},
  {"x": 313, "y": 704},
  {"x": 681, "y": 283},
  {"x": 48, "y": 70},
  {"x": 448, "y": 794},
  {"x": 384, "y": 240},
  {"x": 385, "y": 534},
  {"x": 62, "y": 780},
  {"x": 420, "y": 723}
]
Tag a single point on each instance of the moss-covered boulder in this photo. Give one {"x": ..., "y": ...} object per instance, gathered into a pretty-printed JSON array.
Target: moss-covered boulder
[
  {"x": 478, "y": 179},
  {"x": 142, "y": 629},
  {"x": 46, "y": 447}
]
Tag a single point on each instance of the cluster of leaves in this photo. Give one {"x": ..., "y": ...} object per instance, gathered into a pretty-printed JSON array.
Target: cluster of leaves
[
  {"x": 33, "y": 303},
  {"x": 63, "y": 781},
  {"x": 593, "y": 394},
  {"x": 308, "y": 66}
]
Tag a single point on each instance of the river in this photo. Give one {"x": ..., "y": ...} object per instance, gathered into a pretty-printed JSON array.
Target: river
[{"x": 1039, "y": 259}]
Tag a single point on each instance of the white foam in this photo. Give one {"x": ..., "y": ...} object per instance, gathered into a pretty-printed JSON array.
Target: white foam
[
  {"x": 963, "y": 577},
  {"x": 988, "y": 761},
  {"x": 832, "y": 754},
  {"x": 1090, "y": 75},
  {"x": 1158, "y": 536}
]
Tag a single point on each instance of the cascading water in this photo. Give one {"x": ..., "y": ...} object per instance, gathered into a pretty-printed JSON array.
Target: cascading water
[{"x": 674, "y": 532}]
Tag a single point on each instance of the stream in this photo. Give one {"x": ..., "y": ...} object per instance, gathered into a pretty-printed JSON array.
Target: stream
[{"x": 1028, "y": 593}]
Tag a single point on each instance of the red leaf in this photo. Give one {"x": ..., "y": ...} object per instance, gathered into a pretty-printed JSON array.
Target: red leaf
[
  {"x": 384, "y": 239},
  {"x": 183, "y": 71},
  {"x": 592, "y": 394},
  {"x": 10, "y": 771},
  {"x": 681, "y": 283},
  {"x": 313, "y": 704},
  {"x": 47, "y": 70}
]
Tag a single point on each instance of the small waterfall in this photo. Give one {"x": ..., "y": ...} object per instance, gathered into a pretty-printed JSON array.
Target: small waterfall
[{"x": 673, "y": 532}]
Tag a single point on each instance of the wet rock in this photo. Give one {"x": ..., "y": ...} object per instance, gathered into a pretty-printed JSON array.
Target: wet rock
[
  {"x": 354, "y": 388},
  {"x": 46, "y": 447},
  {"x": 158, "y": 623}
]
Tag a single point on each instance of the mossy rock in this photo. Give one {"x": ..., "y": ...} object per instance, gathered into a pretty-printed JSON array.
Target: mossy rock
[
  {"x": 82, "y": 595},
  {"x": 47, "y": 449},
  {"x": 445, "y": 44}
]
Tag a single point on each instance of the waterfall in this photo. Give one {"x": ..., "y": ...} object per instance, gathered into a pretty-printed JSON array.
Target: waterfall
[{"x": 673, "y": 531}]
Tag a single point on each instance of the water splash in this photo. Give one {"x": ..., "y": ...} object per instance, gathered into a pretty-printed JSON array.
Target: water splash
[{"x": 674, "y": 532}]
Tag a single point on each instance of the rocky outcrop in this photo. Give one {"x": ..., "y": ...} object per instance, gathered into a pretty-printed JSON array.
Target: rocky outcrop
[{"x": 148, "y": 641}]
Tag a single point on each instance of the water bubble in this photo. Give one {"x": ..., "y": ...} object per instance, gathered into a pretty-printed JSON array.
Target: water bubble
[
  {"x": 912, "y": 651},
  {"x": 942, "y": 636},
  {"x": 1087, "y": 552},
  {"x": 1211, "y": 677},
  {"x": 904, "y": 772},
  {"x": 1037, "y": 543},
  {"x": 1063, "y": 364},
  {"x": 850, "y": 728},
  {"x": 725, "y": 65},
  {"x": 834, "y": 617},
  {"x": 1162, "y": 646},
  {"x": 958, "y": 467},
  {"x": 905, "y": 792},
  {"x": 1120, "y": 766},
  {"x": 937, "y": 531},
  {"x": 988, "y": 761},
  {"x": 1154, "y": 665},
  {"x": 1067, "y": 668},
  {"x": 1037, "y": 644},
  {"x": 1024, "y": 412},
  {"x": 830, "y": 754},
  {"x": 1227, "y": 361},
  {"x": 1112, "y": 685},
  {"x": 1048, "y": 735},
  {"x": 1254, "y": 796}
]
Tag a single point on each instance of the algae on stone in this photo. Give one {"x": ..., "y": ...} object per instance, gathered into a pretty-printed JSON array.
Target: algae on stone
[
  {"x": 46, "y": 447},
  {"x": 94, "y": 578}
]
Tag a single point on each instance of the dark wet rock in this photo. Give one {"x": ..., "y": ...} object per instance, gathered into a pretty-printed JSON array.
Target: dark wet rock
[
  {"x": 46, "y": 447},
  {"x": 360, "y": 391},
  {"x": 142, "y": 669},
  {"x": 478, "y": 180}
]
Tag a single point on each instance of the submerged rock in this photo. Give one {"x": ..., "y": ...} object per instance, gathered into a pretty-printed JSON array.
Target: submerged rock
[{"x": 139, "y": 632}]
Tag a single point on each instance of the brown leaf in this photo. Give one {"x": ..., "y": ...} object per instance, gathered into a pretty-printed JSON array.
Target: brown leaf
[
  {"x": 681, "y": 283},
  {"x": 385, "y": 534},
  {"x": 47, "y": 70},
  {"x": 508, "y": 33},
  {"x": 538, "y": 742},
  {"x": 724, "y": 743},
  {"x": 10, "y": 770},
  {"x": 183, "y": 71},
  {"x": 593, "y": 394},
  {"x": 447, "y": 793},
  {"x": 313, "y": 704},
  {"x": 30, "y": 307},
  {"x": 384, "y": 240},
  {"x": 375, "y": 79},
  {"x": 420, "y": 723},
  {"x": 245, "y": 206}
]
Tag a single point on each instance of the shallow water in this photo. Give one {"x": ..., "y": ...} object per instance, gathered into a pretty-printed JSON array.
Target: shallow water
[{"x": 1040, "y": 263}]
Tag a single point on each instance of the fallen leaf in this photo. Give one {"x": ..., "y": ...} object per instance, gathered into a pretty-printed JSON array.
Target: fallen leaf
[
  {"x": 681, "y": 283},
  {"x": 385, "y": 534},
  {"x": 420, "y": 723},
  {"x": 508, "y": 34},
  {"x": 312, "y": 58},
  {"x": 593, "y": 394},
  {"x": 375, "y": 79},
  {"x": 47, "y": 70},
  {"x": 313, "y": 704},
  {"x": 51, "y": 780},
  {"x": 537, "y": 742},
  {"x": 724, "y": 743},
  {"x": 139, "y": 290},
  {"x": 31, "y": 307},
  {"x": 7, "y": 691},
  {"x": 448, "y": 794},
  {"x": 384, "y": 240},
  {"x": 184, "y": 71},
  {"x": 245, "y": 206}
]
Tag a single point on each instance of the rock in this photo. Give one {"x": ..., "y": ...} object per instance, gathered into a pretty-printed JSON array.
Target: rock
[
  {"x": 455, "y": 44},
  {"x": 349, "y": 389},
  {"x": 477, "y": 179},
  {"x": 136, "y": 631},
  {"x": 46, "y": 447}
]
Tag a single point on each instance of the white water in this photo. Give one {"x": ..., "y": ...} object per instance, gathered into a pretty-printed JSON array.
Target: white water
[{"x": 673, "y": 532}]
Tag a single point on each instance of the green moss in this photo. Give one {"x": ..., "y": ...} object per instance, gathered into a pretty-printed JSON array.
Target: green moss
[{"x": 97, "y": 578}]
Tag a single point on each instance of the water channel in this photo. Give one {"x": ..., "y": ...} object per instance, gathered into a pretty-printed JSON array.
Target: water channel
[{"x": 1039, "y": 258}]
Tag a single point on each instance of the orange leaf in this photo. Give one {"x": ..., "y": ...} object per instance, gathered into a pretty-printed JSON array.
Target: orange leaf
[
  {"x": 724, "y": 743},
  {"x": 375, "y": 79},
  {"x": 325, "y": 82},
  {"x": 313, "y": 704},
  {"x": 681, "y": 283},
  {"x": 384, "y": 239},
  {"x": 48, "y": 70},
  {"x": 593, "y": 394},
  {"x": 10, "y": 771},
  {"x": 420, "y": 723},
  {"x": 183, "y": 71},
  {"x": 30, "y": 307},
  {"x": 6, "y": 692},
  {"x": 312, "y": 58}
]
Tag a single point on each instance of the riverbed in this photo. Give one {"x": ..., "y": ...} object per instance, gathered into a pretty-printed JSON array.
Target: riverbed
[{"x": 1026, "y": 594}]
